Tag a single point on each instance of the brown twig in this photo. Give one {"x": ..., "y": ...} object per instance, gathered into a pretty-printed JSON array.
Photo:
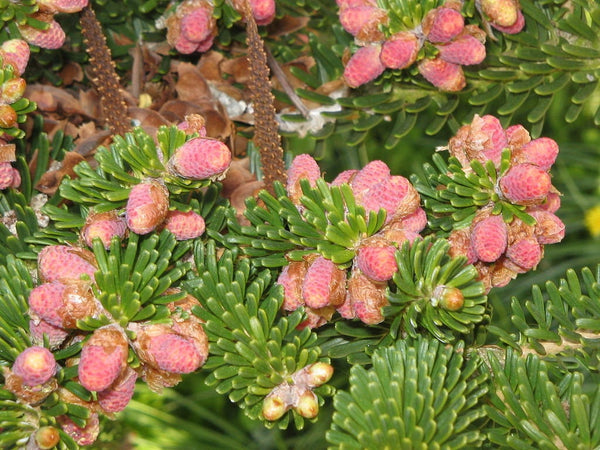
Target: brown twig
[
  {"x": 266, "y": 136},
  {"x": 105, "y": 79}
]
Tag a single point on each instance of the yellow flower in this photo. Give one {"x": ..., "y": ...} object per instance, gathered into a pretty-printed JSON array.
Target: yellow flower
[{"x": 592, "y": 220}]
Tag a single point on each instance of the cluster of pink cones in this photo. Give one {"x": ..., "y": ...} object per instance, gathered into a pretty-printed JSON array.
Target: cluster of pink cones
[
  {"x": 66, "y": 295},
  {"x": 440, "y": 45},
  {"x": 319, "y": 285},
  {"x": 502, "y": 249}
]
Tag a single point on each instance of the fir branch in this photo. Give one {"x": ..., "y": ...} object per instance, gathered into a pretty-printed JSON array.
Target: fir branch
[
  {"x": 418, "y": 394},
  {"x": 112, "y": 101},
  {"x": 255, "y": 352},
  {"x": 266, "y": 135},
  {"x": 529, "y": 409},
  {"x": 559, "y": 323}
]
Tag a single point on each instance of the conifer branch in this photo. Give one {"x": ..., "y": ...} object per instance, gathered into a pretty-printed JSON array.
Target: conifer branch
[
  {"x": 105, "y": 79},
  {"x": 266, "y": 136}
]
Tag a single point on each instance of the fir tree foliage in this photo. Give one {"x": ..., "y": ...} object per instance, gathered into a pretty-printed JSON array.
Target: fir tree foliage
[
  {"x": 330, "y": 223},
  {"x": 129, "y": 160},
  {"x": 418, "y": 393},
  {"x": 530, "y": 408},
  {"x": 454, "y": 195},
  {"x": 559, "y": 322},
  {"x": 253, "y": 348},
  {"x": 418, "y": 296}
]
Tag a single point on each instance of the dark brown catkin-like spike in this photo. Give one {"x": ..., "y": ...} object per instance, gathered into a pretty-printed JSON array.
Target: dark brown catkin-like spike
[
  {"x": 105, "y": 79},
  {"x": 266, "y": 136}
]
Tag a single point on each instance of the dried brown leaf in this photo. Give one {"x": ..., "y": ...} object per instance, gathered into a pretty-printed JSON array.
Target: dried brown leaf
[{"x": 191, "y": 85}]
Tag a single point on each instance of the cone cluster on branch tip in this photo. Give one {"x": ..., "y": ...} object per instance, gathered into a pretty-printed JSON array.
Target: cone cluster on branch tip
[
  {"x": 192, "y": 27},
  {"x": 147, "y": 207},
  {"x": 498, "y": 248},
  {"x": 67, "y": 294},
  {"x": 441, "y": 33},
  {"x": 297, "y": 393},
  {"x": 51, "y": 36},
  {"x": 319, "y": 285},
  {"x": 14, "y": 56}
]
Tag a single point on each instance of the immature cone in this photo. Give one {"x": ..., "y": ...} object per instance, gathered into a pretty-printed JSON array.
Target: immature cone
[
  {"x": 39, "y": 328},
  {"x": 83, "y": 436},
  {"x": 483, "y": 139},
  {"x": 103, "y": 357},
  {"x": 7, "y": 175},
  {"x": 370, "y": 175},
  {"x": 541, "y": 152},
  {"x": 464, "y": 50},
  {"x": 549, "y": 229},
  {"x": 51, "y": 38},
  {"x": 201, "y": 159},
  {"x": 62, "y": 6},
  {"x": 355, "y": 18},
  {"x": 365, "y": 298},
  {"x": 162, "y": 348},
  {"x": 303, "y": 166},
  {"x": 185, "y": 225},
  {"x": 62, "y": 305},
  {"x": 377, "y": 261},
  {"x": 192, "y": 28},
  {"x": 525, "y": 184},
  {"x": 323, "y": 284},
  {"x": 16, "y": 53},
  {"x": 396, "y": 195},
  {"x": 103, "y": 226},
  {"x": 65, "y": 263},
  {"x": 525, "y": 253},
  {"x": 263, "y": 11},
  {"x": 364, "y": 66},
  {"x": 489, "y": 238},
  {"x": 147, "y": 206},
  {"x": 291, "y": 278},
  {"x": 443, "y": 75},
  {"x": 400, "y": 50},
  {"x": 442, "y": 24},
  {"x": 118, "y": 395},
  {"x": 34, "y": 365}
]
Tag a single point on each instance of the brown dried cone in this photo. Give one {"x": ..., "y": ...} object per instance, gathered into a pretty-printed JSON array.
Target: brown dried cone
[
  {"x": 365, "y": 299},
  {"x": 103, "y": 358}
]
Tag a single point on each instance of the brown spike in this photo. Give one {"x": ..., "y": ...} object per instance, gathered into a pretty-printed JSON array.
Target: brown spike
[
  {"x": 266, "y": 136},
  {"x": 105, "y": 78}
]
